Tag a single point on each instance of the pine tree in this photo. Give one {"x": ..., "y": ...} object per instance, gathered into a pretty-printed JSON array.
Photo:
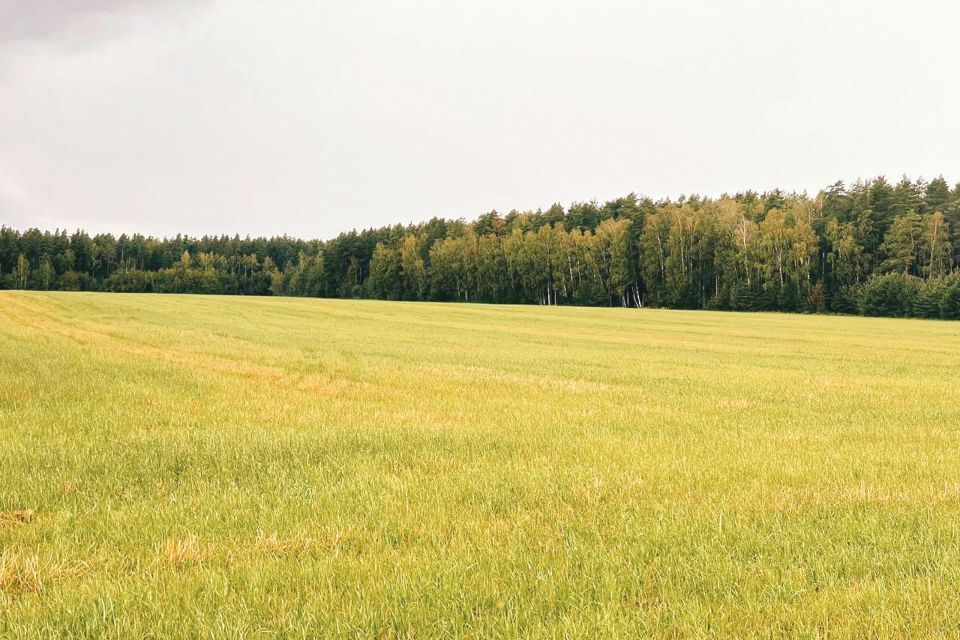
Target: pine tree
[{"x": 903, "y": 244}]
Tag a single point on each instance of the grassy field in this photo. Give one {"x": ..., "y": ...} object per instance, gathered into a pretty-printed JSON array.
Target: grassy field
[{"x": 188, "y": 466}]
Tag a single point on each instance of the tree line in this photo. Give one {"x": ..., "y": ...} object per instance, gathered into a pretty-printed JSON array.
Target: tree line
[{"x": 874, "y": 248}]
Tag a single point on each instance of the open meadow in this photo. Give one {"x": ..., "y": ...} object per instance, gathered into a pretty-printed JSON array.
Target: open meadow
[{"x": 193, "y": 466}]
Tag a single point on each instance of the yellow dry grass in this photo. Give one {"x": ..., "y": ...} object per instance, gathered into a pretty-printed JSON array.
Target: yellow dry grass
[{"x": 180, "y": 467}]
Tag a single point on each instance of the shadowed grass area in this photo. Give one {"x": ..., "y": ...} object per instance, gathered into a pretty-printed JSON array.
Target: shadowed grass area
[{"x": 184, "y": 466}]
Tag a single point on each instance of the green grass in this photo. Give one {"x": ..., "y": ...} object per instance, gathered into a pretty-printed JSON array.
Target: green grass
[{"x": 239, "y": 467}]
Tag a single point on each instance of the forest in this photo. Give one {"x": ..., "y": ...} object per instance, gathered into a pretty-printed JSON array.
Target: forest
[{"x": 873, "y": 248}]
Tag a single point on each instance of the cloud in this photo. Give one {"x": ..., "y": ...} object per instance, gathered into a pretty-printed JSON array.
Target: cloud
[
  {"x": 75, "y": 22},
  {"x": 307, "y": 117},
  {"x": 14, "y": 201}
]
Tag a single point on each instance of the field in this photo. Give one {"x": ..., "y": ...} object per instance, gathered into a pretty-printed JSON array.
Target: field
[{"x": 189, "y": 466}]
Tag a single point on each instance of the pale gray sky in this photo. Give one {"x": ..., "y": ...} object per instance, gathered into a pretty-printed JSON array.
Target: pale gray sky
[{"x": 311, "y": 117}]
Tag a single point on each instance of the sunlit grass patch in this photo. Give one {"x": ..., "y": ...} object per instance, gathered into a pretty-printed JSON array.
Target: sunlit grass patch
[
  {"x": 184, "y": 551},
  {"x": 16, "y": 517},
  {"x": 19, "y": 572},
  {"x": 24, "y": 572}
]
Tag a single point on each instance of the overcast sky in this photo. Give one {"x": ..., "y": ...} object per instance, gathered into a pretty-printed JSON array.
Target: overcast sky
[{"x": 310, "y": 117}]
